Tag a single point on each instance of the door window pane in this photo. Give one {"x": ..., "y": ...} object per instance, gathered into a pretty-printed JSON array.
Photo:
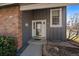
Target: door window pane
[
  {"x": 33, "y": 25},
  {"x": 38, "y": 28}
]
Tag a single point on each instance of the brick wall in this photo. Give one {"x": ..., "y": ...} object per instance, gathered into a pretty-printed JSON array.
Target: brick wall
[{"x": 10, "y": 23}]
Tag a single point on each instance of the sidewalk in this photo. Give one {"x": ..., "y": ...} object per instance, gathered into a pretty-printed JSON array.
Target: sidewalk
[{"x": 32, "y": 50}]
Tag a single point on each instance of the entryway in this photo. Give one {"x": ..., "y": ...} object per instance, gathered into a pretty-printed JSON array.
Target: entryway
[
  {"x": 39, "y": 29},
  {"x": 38, "y": 39}
]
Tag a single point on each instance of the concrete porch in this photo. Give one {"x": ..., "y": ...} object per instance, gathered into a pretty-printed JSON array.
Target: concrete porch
[{"x": 34, "y": 48}]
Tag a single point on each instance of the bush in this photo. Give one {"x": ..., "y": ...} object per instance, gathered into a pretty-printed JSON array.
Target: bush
[{"x": 7, "y": 46}]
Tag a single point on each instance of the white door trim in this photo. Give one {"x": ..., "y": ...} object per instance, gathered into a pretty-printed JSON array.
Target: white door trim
[{"x": 35, "y": 25}]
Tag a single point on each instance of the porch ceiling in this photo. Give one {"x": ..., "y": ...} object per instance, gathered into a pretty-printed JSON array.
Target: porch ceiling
[
  {"x": 3, "y": 4},
  {"x": 41, "y": 5},
  {"x": 32, "y": 6}
]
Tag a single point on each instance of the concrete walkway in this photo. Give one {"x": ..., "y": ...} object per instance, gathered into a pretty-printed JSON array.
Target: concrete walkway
[{"x": 32, "y": 50}]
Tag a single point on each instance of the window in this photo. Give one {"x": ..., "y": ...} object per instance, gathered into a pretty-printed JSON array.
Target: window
[{"x": 56, "y": 17}]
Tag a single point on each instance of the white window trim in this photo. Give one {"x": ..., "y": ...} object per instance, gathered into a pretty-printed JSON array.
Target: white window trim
[{"x": 60, "y": 18}]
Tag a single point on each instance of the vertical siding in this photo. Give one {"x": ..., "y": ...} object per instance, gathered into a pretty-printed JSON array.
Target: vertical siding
[
  {"x": 26, "y": 31},
  {"x": 43, "y": 14},
  {"x": 58, "y": 34},
  {"x": 53, "y": 34}
]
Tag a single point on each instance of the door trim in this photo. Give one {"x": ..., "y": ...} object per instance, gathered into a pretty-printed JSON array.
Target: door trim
[{"x": 38, "y": 21}]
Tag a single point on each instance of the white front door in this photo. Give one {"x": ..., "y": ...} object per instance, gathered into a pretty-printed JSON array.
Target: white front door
[{"x": 39, "y": 28}]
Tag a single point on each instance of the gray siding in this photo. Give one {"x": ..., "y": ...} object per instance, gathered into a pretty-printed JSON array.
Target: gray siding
[
  {"x": 53, "y": 34},
  {"x": 26, "y": 31}
]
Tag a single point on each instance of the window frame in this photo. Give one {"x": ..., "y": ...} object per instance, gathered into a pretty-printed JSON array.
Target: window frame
[{"x": 60, "y": 18}]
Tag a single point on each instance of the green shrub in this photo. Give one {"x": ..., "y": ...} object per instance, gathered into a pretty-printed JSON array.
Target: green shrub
[{"x": 7, "y": 46}]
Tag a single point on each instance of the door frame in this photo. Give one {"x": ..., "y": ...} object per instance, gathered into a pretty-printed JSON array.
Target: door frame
[{"x": 35, "y": 25}]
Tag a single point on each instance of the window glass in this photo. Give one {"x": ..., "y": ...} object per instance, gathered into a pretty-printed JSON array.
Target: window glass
[{"x": 55, "y": 17}]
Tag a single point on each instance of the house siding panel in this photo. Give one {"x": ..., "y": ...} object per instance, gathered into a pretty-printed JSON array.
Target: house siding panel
[
  {"x": 27, "y": 17},
  {"x": 52, "y": 33}
]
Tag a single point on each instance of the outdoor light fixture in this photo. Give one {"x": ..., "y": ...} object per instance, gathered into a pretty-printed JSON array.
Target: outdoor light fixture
[{"x": 26, "y": 24}]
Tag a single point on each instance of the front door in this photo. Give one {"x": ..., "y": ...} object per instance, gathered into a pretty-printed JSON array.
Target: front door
[{"x": 39, "y": 28}]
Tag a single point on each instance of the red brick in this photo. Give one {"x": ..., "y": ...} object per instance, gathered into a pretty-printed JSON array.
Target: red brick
[{"x": 10, "y": 23}]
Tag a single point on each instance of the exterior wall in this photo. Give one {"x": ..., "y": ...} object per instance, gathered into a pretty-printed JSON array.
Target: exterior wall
[
  {"x": 27, "y": 17},
  {"x": 53, "y": 34},
  {"x": 10, "y": 23}
]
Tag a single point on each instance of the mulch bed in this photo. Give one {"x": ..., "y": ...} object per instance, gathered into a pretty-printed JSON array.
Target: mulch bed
[
  {"x": 56, "y": 50},
  {"x": 63, "y": 51}
]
